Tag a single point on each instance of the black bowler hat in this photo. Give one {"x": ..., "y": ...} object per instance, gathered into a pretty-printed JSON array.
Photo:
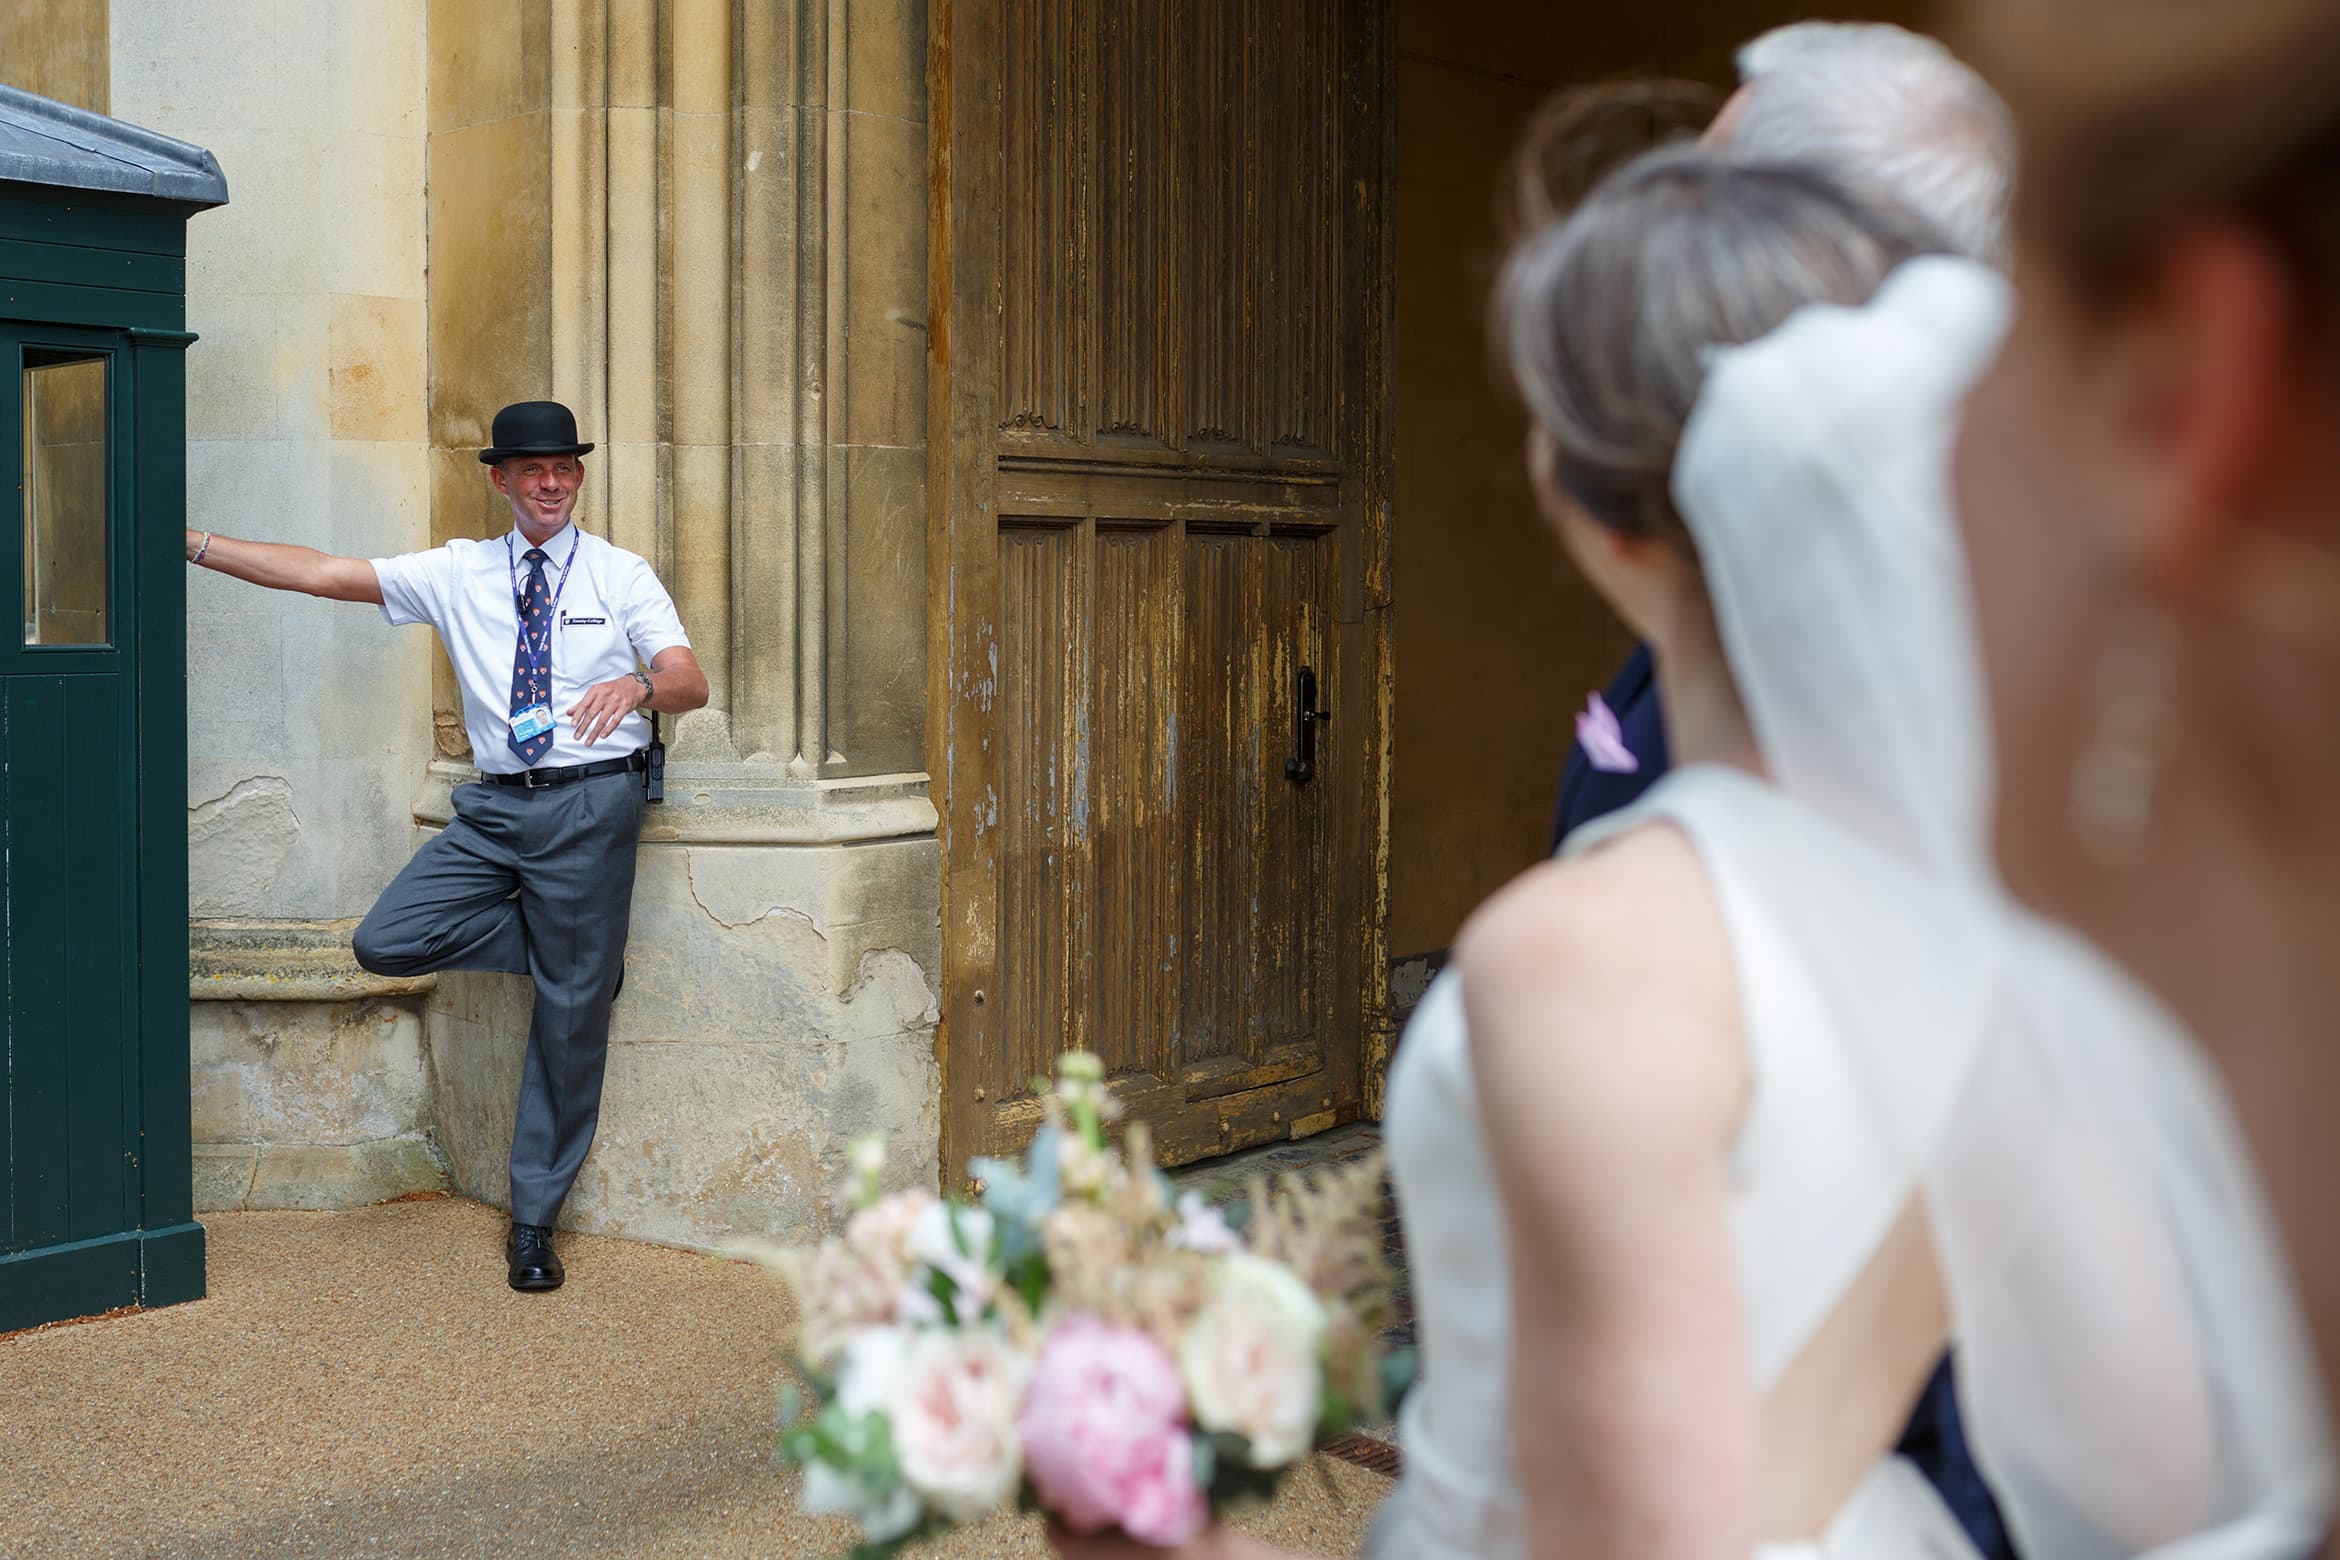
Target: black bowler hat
[{"x": 532, "y": 428}]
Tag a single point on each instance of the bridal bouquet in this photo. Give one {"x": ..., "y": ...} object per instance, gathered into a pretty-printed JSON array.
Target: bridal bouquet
[{"x": 1080, "y": 1341}]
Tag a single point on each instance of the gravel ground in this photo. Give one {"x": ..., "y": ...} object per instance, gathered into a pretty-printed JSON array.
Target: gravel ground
[{"x": 364, "y": 1384}]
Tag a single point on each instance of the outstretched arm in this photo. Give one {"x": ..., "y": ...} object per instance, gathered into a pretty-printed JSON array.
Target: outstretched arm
[
  {"x": 1610, "y": 1078},
  {"x": 280, "y": 566}
]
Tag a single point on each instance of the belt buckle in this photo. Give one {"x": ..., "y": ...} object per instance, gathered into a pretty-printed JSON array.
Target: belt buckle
[{"x": 529, "y": 779}]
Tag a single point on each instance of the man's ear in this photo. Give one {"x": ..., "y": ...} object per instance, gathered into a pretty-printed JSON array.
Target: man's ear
[
  {"x": 2213, "y": 395},
  {"x": 496, "y": 475}
]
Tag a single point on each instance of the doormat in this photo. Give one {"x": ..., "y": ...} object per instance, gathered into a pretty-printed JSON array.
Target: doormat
[{"x": 1365, "y": 1452}]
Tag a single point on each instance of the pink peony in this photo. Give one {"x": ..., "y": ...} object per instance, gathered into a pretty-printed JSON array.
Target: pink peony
[{"x": 1105, "y": 1439}]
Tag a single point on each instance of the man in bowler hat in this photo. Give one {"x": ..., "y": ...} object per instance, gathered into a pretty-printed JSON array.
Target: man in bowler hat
[{"x": 562, "y": 644}]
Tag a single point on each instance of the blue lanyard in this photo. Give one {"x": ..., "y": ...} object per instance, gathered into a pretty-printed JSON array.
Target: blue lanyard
[{"x": 534, "y": 652}]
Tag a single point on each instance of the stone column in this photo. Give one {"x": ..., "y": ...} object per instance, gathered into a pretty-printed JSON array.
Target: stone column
[{"x": 734, "y": 286}]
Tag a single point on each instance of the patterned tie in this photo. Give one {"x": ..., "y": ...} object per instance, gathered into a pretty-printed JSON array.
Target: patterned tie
[{"x": 531, "y": 687}]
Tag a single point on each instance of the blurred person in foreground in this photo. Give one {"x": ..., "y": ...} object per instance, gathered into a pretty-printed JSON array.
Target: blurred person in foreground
[{"x": 2150, "y": 487}]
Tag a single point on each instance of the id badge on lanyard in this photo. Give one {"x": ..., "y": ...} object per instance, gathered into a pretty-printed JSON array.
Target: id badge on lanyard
[{"x": 536, "y": 719}]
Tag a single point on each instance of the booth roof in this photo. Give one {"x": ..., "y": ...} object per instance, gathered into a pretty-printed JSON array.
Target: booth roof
[{"x": 55, "y": 144}]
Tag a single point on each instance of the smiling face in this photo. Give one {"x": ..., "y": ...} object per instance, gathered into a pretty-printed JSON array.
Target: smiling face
[{"x": 542, "y": 490}]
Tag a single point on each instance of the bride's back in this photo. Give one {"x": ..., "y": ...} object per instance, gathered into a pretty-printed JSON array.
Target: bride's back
[{"x": 1717, "y": 984}]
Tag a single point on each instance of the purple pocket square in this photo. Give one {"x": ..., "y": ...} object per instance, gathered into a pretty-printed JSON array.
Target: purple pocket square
[{"x": 1603, "y": 739}]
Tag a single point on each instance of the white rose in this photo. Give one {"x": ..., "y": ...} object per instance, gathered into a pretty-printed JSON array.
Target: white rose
[
  {"x": 830, "y": 1492},
  {"x": 954, "y": 1418},
  {"x": 941, "y": 1229},
  {"x": 936, "y": 1239},
  {"x": 1252, "y": 1358},
  {"x": 867, "y": 1380}
]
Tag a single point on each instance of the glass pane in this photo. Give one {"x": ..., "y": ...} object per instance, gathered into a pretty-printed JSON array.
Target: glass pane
[{"x": 64, "y": 499}]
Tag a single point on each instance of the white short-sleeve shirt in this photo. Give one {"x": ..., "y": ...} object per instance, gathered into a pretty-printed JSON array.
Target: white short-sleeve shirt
[{"x": 610, "y": 611}]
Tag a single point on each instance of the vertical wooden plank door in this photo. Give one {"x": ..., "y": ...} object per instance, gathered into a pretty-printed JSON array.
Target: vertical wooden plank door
[{"x": 1160, "y": 470}]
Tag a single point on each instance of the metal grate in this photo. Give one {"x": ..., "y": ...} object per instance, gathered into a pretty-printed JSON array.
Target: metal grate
[{"x": 1365, "y": 1452}]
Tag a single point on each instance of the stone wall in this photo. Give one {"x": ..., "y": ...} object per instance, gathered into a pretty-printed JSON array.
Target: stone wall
[
  {"x": 311, "y": 1083},
  {"x": 308, "y": 721}
]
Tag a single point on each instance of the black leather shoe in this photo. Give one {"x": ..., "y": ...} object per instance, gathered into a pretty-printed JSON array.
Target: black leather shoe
[{"x": 535, "y": 1266}]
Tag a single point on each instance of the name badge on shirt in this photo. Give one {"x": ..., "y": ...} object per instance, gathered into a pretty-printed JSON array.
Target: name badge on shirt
[
  {"x": 532, "y": 722},
  {"x": 583, "y": 622}
]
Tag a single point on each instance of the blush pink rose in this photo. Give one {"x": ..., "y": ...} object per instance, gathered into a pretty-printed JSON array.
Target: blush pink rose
[
  {"x": 954, "y": 1417},
  {"x": 1105, "y": 1438}
]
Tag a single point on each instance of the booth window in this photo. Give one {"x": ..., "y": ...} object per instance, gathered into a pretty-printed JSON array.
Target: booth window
[{"x": 65, "y": 466}]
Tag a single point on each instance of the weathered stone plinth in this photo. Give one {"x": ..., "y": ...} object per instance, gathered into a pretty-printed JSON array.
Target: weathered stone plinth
[
  {"x": 779, "y": 1002},
  {"x": 311, "y": 1086}
]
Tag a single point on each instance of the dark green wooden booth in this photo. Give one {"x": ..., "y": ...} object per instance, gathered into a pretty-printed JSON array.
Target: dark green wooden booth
[{"x": 96, "y": 1204}]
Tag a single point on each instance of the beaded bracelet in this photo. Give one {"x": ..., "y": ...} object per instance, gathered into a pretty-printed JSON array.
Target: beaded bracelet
[{"x": 200, "y": 551}]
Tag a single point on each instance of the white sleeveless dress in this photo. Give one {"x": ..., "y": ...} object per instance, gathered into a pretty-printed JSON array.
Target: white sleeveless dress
[{"x": 1847, "y": 964}]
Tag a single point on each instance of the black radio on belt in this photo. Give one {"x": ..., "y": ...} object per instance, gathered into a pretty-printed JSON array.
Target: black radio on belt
[{"x": 654, "y": 765}]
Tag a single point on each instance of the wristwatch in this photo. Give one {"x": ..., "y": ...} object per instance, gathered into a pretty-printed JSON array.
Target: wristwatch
[{"x": 648, "y": 691}]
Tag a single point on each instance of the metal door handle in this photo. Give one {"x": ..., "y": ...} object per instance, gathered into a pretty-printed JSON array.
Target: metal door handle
[{"x": 1300, "y": 768}]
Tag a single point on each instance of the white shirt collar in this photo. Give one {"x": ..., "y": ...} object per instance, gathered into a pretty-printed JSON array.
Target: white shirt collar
[{"x": 556, "y": 547}]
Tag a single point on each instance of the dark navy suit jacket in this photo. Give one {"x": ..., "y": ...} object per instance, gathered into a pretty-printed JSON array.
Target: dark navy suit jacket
[{"x": 1935, "y": 1440}]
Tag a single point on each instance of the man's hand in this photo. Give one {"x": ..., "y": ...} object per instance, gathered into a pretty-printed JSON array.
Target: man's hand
[{"x": 605, "y": 704}]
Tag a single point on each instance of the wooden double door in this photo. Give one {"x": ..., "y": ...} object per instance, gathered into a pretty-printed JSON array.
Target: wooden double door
[{"x": 1161, "y": 449}]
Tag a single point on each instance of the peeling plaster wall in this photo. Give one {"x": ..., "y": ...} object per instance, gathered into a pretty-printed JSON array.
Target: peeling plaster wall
[{"x": 780, "y": 1001}]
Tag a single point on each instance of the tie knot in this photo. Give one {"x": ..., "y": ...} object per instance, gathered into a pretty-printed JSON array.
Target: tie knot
[{"x": 536, "y": 557}]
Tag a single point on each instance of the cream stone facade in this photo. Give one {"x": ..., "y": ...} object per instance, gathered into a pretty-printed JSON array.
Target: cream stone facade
[{"x": 702, "y": 224}]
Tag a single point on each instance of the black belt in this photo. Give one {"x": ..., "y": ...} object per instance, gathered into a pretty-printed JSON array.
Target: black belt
[{"x": 538, "y": 779}]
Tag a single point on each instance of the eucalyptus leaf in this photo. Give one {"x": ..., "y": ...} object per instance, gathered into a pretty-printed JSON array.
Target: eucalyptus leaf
[
  {"x": 1230, "y": 1447},
  {"x": 876, "y": 1464}
]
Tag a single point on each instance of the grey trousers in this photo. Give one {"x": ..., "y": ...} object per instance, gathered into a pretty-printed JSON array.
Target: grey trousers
[{"x": 535, "y": 883}]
